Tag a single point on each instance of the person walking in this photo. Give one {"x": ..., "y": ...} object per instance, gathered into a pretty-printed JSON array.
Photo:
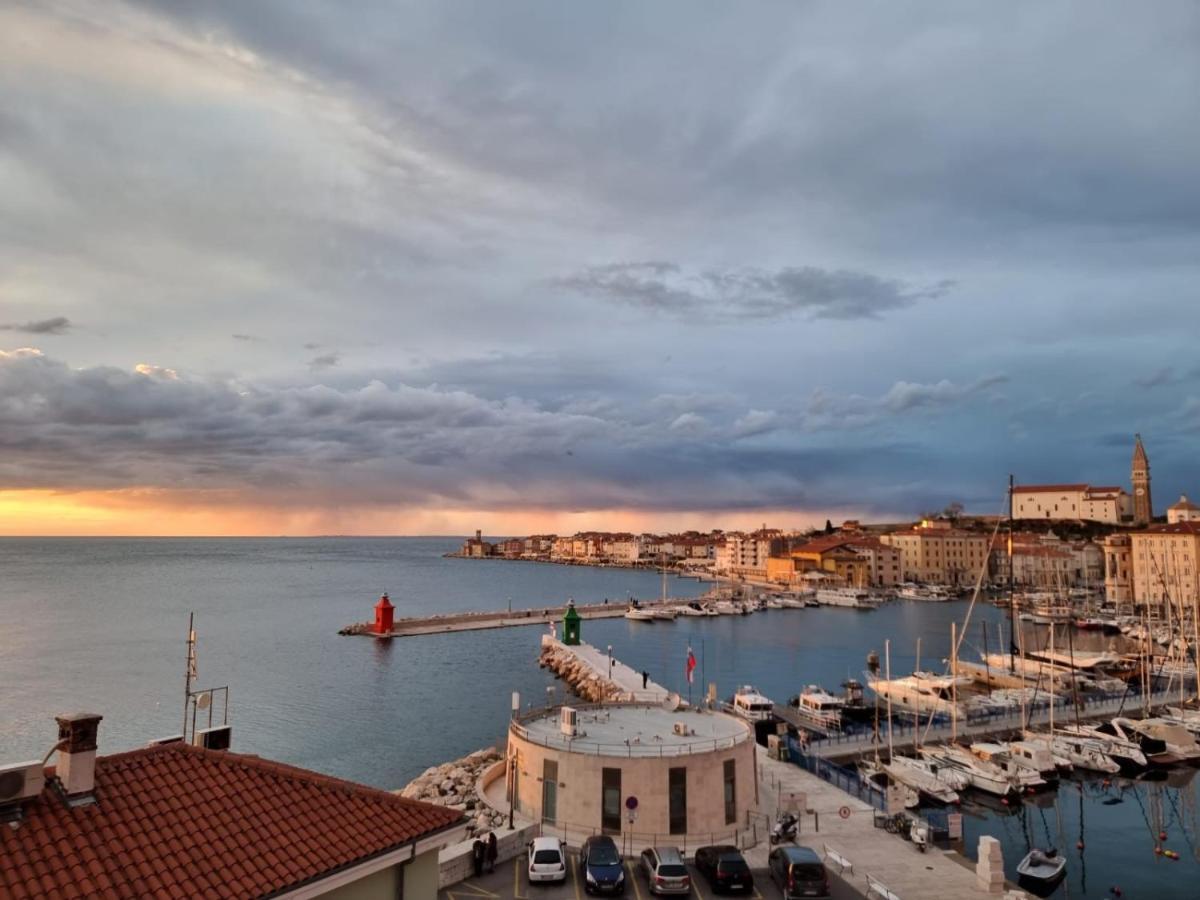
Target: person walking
[
  {"x": 478, "y": 855},
  {"x": 492, "y": 851},
  {"x": 645, "y": 678}
]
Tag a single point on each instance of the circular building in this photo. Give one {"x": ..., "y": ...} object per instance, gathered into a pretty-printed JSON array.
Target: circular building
[{"x": 633, "y": 768}]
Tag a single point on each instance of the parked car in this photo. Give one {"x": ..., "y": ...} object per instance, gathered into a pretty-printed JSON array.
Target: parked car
[
  {"x": 601, "y": 864},
  {"x": 547, "y": 861},
  {"x": 725, "y": 869},
  {"x": 665, "y": 871},
  {"x": 799, "y": 872}
]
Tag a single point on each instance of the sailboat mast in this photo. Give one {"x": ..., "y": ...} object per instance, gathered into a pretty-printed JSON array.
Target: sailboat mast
[
  {"x": 1052, "y": 678},
  {"x": 954, "y": 681},
  {"x": 1012, "y": 616},
  {"x": 190, "y": 669},
  {"x": 887, "y": 667},
  {"x": 916, "y": 672}
]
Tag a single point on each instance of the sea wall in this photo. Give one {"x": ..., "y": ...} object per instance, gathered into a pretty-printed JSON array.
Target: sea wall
[
  {"x": 454, "y": 785},
  {"x": 579, "y": 677}
]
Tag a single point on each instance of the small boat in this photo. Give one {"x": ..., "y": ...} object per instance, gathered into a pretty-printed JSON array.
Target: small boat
[
  {"x": 852, "y": 598},
  {"x": 854, "y": 702},
  {"x": 816, "y": 705},
  {"x": 939, "y": 783},
  {"x": 982, "y": 775},
  {"x": 1042, "y": 867},
  {"x": 748, "y": 703},
  {"x": 667, "y": 613},
  {"x": 636, "y": 614},
  {"x": 1126, "y": 753},
  {"x": 875, "y": 773},
  {"x": 691, "y": 609},
  {"x": 792, "y": 602},
  {"x": 1023, "y": 773}
]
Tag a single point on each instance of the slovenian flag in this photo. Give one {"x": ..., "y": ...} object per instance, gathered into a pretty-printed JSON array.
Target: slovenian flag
[{"x": 691, "y": 665}]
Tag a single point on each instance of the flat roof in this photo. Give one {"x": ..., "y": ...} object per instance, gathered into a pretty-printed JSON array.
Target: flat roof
[{"x": 635, "y": 729}]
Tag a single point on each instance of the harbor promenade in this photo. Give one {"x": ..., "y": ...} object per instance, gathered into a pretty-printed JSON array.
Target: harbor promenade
[
  {"x": 619, "y": 681},
  {"x": 842, "y": 830}
]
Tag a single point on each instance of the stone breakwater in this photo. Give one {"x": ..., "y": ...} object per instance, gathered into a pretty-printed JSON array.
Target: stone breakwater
[
  {"x": 453, "y": 785},
  {"x": 579, "y": 677}
]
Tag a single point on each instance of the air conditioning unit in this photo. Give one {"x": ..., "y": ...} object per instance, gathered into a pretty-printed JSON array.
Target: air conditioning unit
[
  {"x": 568, "y": 721},
  {"x": 21, "y": 781},
  {"x": 171, "y": 739},
  {"x": 681, "y": 729},
  {"x": 216, "y": 738}
]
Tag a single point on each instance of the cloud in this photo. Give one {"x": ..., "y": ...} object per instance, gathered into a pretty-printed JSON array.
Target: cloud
[
  {"x": 53, "y": 326},
  {"x": 748, "y": 293},
  {"x": 756, "y": 422},
  {"x": 324, "y": 361},
  {"x": 1158, "y": 378},
  {"x": 156, "y": 372},
  {"x": 905, "y": 395},
  {"x": 249, "y": 338}
]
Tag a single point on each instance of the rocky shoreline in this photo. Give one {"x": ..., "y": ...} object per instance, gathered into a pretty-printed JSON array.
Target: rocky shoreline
[
  {"x": 453, "y": 785},
  {"x": 578, "y": 676}
]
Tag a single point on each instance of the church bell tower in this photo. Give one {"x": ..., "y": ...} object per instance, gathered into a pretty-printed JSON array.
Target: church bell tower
[{"x": 1143, "y": 507}]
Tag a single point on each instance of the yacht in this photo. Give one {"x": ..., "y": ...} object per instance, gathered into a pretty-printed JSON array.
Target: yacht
[
  {"x": 876, "y": 774},
  {"x": 666, "y": 613},
  {"x": 1126, "y": 753},
  {"x": 933, "y": 593},
  {"x": 1083, "y": 753},
  {"x": 792, "y": 602},
  {"x": 1020, "y": 770},
  {"x": 1177, "y": 743},
  {"x": 637, "y": 614},
  {"x": 750, "y": 704},
  {"x": 690, "y": 609},
  {"x": 934, "y": 781},
  {"x": 853, "y": 598},
  {"x": 924, "y": 692},
  {"x": 982, "y": 775},
  {"x": 818, "y": 706}
]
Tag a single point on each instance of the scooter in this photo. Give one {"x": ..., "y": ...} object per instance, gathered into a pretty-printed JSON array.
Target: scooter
[
  {"x": 919, "y": 835},
  {"x": 785, "y": 829}
]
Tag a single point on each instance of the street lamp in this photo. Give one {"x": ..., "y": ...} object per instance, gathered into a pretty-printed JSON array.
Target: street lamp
[{"x": 610, "y": 662}]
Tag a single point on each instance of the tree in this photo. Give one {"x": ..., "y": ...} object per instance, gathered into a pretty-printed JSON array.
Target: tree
[
  {"x": 828, "y": 527},
  {"x": 953, "y": 510}
]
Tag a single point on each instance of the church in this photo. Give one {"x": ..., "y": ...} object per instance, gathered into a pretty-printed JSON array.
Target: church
[{"x": 1082, "y": 502}]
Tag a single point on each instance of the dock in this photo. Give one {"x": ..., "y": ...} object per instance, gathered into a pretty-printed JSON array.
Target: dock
[
  {"x": 595, "y": 675},
  {"x": 502, "y": 618}
]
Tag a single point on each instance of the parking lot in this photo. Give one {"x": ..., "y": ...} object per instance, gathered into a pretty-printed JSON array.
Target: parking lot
[{"x": 509, "y": 882}]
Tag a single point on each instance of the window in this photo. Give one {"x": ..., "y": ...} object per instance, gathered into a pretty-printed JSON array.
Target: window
[
  {"x": 549, "y": 790},
  {"x": 610, "y": 800},
  {"x": 730, "y": 792},
  {"x": 677, "y": 800}
]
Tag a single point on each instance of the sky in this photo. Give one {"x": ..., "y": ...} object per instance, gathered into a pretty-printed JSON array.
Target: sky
[{"x": 411, "y": 268}]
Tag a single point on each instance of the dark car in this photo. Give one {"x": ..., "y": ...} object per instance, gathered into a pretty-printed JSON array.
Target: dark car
[
  {"x": 799, "y": 872},
  {"x": 725, "y": 869},
  {"x": 601, "y": 864}
]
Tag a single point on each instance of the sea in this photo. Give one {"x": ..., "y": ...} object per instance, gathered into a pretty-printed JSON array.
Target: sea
[{"x": 100, "y": 624}]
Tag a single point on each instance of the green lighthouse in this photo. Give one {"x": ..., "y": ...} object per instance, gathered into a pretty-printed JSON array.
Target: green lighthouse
[{"x": 571, "y": 624}]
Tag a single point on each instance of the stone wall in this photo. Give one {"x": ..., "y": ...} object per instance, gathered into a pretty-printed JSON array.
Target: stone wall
[
  {"x": 578, "y": 676},
  {"x": 453, "y": 785}
]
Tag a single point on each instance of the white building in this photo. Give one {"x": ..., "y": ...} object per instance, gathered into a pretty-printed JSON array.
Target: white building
[
  {"x": 1183, "y": 511},
  {"x": 1072, "y": 502}
]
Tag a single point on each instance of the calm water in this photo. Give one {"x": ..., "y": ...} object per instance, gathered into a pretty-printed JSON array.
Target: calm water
[{"x": 99, "y": 624}]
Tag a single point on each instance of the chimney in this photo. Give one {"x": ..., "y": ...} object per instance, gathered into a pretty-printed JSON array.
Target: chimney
[{"x": 77, "y": 752}]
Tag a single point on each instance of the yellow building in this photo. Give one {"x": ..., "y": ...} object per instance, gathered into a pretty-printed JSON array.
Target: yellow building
[
  {"x": 934, "y": 552},
  {"x": 1164, "y": 560}
]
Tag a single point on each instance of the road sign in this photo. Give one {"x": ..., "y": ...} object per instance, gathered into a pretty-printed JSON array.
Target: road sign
[
  {"x": 844, "y": 812},
  {"x": 631, "y": 802}
]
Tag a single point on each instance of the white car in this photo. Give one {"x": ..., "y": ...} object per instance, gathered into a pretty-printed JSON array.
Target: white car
[{"x": 547, "y": 862}]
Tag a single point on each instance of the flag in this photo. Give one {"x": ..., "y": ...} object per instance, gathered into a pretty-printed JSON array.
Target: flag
[{"x": 691, "y": 665}]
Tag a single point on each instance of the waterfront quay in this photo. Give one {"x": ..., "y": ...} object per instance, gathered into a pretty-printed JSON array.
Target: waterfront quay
[{"x": 513, "y": 618}]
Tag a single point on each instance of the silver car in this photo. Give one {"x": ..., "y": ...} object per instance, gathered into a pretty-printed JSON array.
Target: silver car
[{"x": 665, "y": 871}]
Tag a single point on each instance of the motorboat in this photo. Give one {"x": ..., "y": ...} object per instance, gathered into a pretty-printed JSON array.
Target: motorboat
[
  {"x": 667, "y": 613},
  {"x": 818, "y": 706},
  {"x": 934, "y": 781},
  {"x": 1037, "y": 757},
  {"x": 690, "y": 609},
  {"x": 854, "y": 702},
  {"x": 1126, "y": 753},
  {"x": 1179, "y": 744},
  {"x": 1042, "y": 867},
  {"x": 933, "y": 593},
  {"x": 981, "y": 775},
  {"x": 1023, "y": 776},
  {"x": 852, "y": 598},
  {"x": 727, "y": 608},
  {"x": 748, "y": 703},
  {"x": 792, "y": 602},
  {"x": 876, "y": 774},
  {"x": 925, "y": 692},
  {"x": 1083, "y": 753},
  {"x": 637, "y": 614}
]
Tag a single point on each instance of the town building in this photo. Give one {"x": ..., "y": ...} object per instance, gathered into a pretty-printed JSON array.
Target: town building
[
  {"x": 1118, "y": 569},
  {"x": 173, "y": 820},
  {"x": 1164, "y": 565},
  {"x": 688, "y": 771},
  {"x": 477, "y": 546},
  {"x": 935, "y": 552},
  {"x": 1183, "y": 511},
  {"x": 1044, "y": 561},
  {"x": 849, "y": 558},
  {"x": 746, "y": 555},
  {"x": 1072, "y": 503}
]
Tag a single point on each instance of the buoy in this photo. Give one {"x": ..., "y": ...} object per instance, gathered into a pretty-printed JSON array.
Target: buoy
[
  {"x": 1079, "y": 845},
  {"x": 1162, "y": 835},
  {"x": 1158, "y": 851}
]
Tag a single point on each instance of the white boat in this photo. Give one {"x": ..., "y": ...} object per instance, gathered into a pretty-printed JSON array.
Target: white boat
[
  {"x": 932, "y": 593},
  {"x": 689, "y": 611},
  {"x": 1042, "y": 867},
  {"x": 1081, "y": 752},
  {"x": 1178, "y": 744},
  {"x": 982, "y": 775},
  {"x": 934, "y": 781},
  {"x": 852, "y": 598},
  {"x": 750, "y": 704},
  {"x": 792, "y": 602},
  {"x": 1118, "y": 748},
  {"x": 820, "y": 707},
  {"x": 726, "y": 608},
  {"x": 667, "y": 613},
  {"x": 875, "y": 773},
  {"x": 635, "y": 614},
  {"x": 925, "y": 693},
  {"x": 1022, "y": 776}
]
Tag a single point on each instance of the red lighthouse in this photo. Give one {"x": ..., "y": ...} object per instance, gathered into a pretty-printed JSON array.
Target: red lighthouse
[{"x": 383, "y": 616}]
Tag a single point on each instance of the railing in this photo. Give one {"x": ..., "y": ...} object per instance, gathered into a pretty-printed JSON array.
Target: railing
[
  {"x": 630, "y": 749},
  {"x": 848, "y": 780}
]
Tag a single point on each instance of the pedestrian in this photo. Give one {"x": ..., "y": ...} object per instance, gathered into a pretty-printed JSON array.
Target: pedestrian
[
  {"x": 492, "y": 851},
  {"x": 478, "y": 854},
  {"x": 645, "y": 678}
]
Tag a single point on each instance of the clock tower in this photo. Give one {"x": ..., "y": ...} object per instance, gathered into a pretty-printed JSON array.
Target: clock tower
[{"x": 1143, "y": 507}]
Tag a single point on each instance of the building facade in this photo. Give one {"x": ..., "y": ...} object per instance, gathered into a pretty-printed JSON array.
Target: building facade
[
  {"x": 934, "y": 552},
  {"x": 1164, "y": 565},
  {"x": 1072, "y": 503},
  {"x": 1183, "y": 511}
]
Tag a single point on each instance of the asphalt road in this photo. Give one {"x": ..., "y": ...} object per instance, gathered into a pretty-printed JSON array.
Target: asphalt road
[{"x": 509, "y": 882}]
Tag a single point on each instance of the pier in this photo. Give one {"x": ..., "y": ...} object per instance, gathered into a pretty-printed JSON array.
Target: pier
[
  {"x": 501, "y": 618},
  {"x": 597, "y": 676}
]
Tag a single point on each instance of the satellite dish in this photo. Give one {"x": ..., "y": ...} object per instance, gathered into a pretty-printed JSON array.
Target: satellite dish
[
  {"x": 204, "y": 700},
  {"x": 672, "y": 702}
]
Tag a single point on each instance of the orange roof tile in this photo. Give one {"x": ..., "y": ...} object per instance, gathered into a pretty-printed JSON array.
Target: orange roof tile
[
  {"x": 1048, "y": 488},
  {"x": 179, "y": 821}
]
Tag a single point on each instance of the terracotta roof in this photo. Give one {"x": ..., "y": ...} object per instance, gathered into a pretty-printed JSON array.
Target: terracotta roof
[
  {"x": 1105, "y": 489},
  {"x": 1048, "y": 488},
  {"x": 178, "y": 821},
  {"x": 1176, "y": 528}
]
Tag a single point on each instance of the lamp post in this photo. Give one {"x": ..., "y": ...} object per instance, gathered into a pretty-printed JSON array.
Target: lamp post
[{"x": 610, "y": 662}]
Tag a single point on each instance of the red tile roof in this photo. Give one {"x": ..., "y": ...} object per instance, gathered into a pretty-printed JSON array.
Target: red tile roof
[
  {"x": 178, "y": 821},
  {"x": 1048, "y": 488},
  {"x": 1176, "y": 528}
]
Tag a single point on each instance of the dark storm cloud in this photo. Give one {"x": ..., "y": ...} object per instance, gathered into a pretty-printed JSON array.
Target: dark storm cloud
[
  {"x": 55, "y": 325},
  {"x": 324, "y": 361},
  {"x": 748, "y": 293}
]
